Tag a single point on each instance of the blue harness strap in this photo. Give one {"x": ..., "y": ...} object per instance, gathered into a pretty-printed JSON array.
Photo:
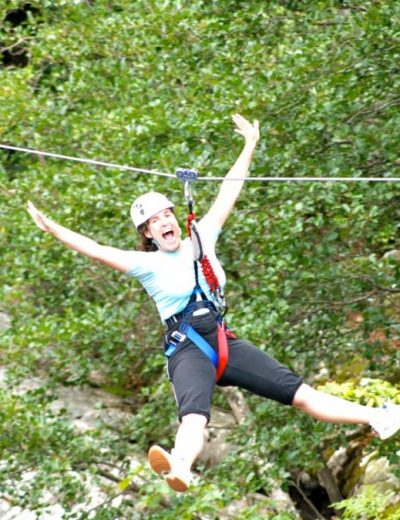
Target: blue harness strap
[
  {"x": 170, "y": 350},
  {"x": 200, "y": 342},
  {"x": 187, "y": 330}
]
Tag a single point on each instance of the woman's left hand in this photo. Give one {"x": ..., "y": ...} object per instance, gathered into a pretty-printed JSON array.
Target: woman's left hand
[
  {"x": 250, "y": 131},
  {"x": 42, "y": 222}
]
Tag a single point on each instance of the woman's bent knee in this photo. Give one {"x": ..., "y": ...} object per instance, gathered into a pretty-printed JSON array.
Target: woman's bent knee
[
  {"x": 195, "y": 419},
  {"x": 303, "y": 396}
]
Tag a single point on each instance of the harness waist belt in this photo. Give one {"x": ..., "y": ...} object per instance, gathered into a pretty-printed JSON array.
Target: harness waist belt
[{"x": 189, "y": 309}]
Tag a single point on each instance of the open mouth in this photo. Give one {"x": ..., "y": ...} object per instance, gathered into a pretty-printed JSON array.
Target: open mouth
[{"x": 168, "y": 235}]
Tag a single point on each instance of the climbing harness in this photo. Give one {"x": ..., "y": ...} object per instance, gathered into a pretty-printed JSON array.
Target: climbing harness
[
  {"x": 197, "y": 307},
  {"x": 198, "y": 302}
]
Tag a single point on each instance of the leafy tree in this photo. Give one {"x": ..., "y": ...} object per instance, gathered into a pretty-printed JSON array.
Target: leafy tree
[{"x": 152, "y": 84}]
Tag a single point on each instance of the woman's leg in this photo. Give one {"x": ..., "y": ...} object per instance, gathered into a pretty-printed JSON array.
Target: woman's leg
[
  {"x": 193, "y": 377},
  {"x": 329, "y": 408},
  {"x": 189, "y": 440},
  {"x": 256, "y": 371}
]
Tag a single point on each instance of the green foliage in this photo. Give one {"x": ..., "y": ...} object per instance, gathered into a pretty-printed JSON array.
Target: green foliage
[
  {"x": 39, "y": 449},
  {"x": 152, "y": 84},
  {"x": 370, "y": 505},
  {"x": 370, "y": 392}
]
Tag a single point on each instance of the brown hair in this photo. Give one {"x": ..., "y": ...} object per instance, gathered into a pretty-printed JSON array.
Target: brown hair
[{"x": 147, "y": 244}]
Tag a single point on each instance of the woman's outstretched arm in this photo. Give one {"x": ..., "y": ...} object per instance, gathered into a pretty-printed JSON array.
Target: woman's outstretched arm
[
  {"x": 229, "y": 190},
  {"x": 111, "y": 256}
]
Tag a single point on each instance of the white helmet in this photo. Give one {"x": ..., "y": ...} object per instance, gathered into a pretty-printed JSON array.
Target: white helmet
[{"x": 147, "y": 205}]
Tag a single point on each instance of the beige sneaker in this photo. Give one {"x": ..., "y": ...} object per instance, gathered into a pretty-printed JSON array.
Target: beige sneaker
[
  {"x": 174, "y": 470},
  {"x": 387, "y": 421}
]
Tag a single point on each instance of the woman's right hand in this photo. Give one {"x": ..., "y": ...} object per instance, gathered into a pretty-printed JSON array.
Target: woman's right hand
[
  {"x": 250, "y": 131},
  {"x": 111, "y": 256},
  {"x": 39, "y": 218}
]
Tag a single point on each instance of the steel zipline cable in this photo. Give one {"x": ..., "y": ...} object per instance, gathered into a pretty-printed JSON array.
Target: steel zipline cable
[
  {"x": 200, "y": 178},
  {"x": 86, "y": 161}
]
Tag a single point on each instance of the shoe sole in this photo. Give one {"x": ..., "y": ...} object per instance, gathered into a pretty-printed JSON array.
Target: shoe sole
[
  {"x": 176, "y": 483},
  {"x": 159, "y": 460}
]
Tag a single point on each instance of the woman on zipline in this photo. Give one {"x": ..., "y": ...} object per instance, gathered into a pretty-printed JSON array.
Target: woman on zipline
[{"x": 169, "y": 274}]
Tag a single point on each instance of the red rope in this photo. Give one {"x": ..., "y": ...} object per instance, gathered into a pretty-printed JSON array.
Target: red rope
[
  {"x": 206, "y": 267},
  {"x": 209, "y": 274},
  {"x": 191, "y": 217}
]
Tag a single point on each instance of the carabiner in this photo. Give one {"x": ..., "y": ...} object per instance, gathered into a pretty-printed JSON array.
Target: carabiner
[{"x": 187, "y": 177}]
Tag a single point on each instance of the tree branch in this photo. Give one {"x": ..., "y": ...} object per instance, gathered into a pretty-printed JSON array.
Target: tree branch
[
  {"x": 16, "y": 44},
  {"x": 378, "y": 107},
  {"x": 237, "y": 403},
  {"x": 306, "y": 499},
  {"x": 329, "y": 483}
]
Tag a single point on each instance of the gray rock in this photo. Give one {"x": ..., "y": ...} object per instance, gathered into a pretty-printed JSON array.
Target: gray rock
[
  {"x": 88, "y": 406},
  {"x": 217, "y": 446},
  {"x": 394, "y": 254},
  {"x": 5, "y": 321},
  {"x": 378, "y": 473}
]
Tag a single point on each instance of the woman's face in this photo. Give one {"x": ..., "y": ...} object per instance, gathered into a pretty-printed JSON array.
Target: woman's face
[{"x": 164, "y": 229}]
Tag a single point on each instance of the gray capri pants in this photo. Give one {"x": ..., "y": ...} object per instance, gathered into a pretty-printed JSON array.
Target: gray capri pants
[{"x": 193, "y": 374}]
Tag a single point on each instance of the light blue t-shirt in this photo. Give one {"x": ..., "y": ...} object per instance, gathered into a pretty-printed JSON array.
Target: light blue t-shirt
[{"x": 169, "y": 277}]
